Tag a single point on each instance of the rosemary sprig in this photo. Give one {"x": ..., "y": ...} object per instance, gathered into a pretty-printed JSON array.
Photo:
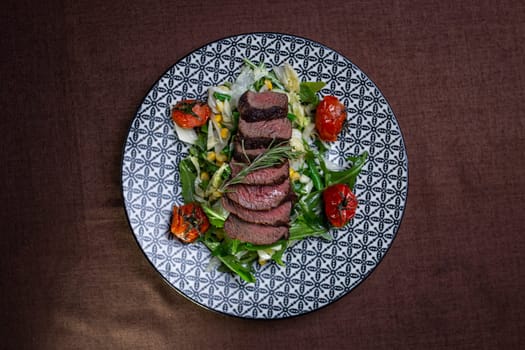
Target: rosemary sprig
[{"x": 271, "y": 157}]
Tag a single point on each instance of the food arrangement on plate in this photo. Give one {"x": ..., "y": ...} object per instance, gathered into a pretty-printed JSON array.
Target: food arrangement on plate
[
  {"x": 256, "y": 179},
  {"x": 162, "y": 169}
]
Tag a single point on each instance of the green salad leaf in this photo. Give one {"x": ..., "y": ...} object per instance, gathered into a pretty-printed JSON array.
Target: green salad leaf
[
  {"x": 308, "y": 91},
  {"x": 278, "y": 255},
  {"x": 348, "y": 176},
  {"x": 217, "y": 215},
  {"x": 300, "y": 229},
  {"x": 242, "y": 268},
  {"x": 188, "y": 174},
  {"x": 309, "y": 220}
]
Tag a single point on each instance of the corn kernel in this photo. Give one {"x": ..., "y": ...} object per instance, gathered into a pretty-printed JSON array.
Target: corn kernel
[
  {"x": 225, "y": 133},
  {"x": 216, "y": 195},
  {"x": 268, "y": 84},
  {"x": 221, "y": 157},
  {"x": 294, "y": 175},
  {"x": 211, "y": 156},
  {"x": 205, "y": 176},
  {"x": 218, "y": 118}
]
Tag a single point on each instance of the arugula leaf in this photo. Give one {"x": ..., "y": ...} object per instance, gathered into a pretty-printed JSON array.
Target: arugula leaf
[
  {"x": 321, "y": 147},
  {"x": 202, "y": 138},
  {"x": 308, "y": 90},
  {"x": 210, "y": 241},
  {"x": 249, "y": 257},
  {"x": 300, "y": 229},
  {"x": 235, "y": 120},
  {"x": 311, "y": 221},
  {"x": 314, "y": 86},
  {"x": 223, "y": 251},
  {"x": 311, "y": 207},
  {"x": 225, "y": 247},
  {"x": 313, "y": 172},
  {"x": 278, "y": 255},
  {"x": 216, "y": 215},
  {"x": 232, "y": 263},
  {"x": 188, "y": 174},
  {"x": 348, "y": 176}
]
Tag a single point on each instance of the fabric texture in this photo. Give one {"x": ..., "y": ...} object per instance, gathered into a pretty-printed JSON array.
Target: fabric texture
[{"x": 73, "y": 74}]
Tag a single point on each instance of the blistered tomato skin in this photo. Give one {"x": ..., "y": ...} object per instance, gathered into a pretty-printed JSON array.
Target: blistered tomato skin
[
  {"x": 189, "y": 222},
  {"x": 340, "y": 204},
  {"x": 190, "y": 113},
  {"x": 330, "y": 116}
]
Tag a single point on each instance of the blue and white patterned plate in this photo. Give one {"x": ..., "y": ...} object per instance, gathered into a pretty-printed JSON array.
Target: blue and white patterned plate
[{"x": 317, "y": 272}]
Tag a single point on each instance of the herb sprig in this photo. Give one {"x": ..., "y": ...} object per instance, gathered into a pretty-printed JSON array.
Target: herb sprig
[{"x": 271, "y": 157}]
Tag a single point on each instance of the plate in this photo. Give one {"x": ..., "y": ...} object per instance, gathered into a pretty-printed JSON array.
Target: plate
[{"x": 317, "y": 272}]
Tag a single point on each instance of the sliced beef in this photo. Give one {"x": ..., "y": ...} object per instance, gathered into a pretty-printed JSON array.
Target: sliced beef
[
  {"x": 258, "y": 106},
  {"x": 260, "y": 207},
  {"x": 237, "y": 228},
  {"x": 266, "y": 176},
  {"x": 247, "y": 154},
  {"x": 260, "y": 197},
  {"x": 277, "y": 216},
  {"x": 261, "y": 143},
  {"x": 266, "y": 131}
]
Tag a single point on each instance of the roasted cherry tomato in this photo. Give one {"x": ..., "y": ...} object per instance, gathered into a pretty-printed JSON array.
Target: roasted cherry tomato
[
  {"x": 329, "y": 118},
  {"x": 189, "y": 222},
  {"x": 190, "y": 113},
  {"x": 339, "y": 204}
]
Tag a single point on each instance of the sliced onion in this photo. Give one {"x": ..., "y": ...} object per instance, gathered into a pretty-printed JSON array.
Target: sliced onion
[{"x": 186, "y": 135}]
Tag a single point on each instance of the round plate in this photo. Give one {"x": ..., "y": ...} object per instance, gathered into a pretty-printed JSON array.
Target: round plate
[{"x": 317, "y": 272}]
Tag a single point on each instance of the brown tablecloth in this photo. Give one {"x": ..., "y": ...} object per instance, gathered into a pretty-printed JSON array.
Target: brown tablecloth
[{"x": 72, "y": 76}]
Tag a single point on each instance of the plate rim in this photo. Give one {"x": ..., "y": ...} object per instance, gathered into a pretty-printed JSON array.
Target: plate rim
[{"x": 166, "y": 281}]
